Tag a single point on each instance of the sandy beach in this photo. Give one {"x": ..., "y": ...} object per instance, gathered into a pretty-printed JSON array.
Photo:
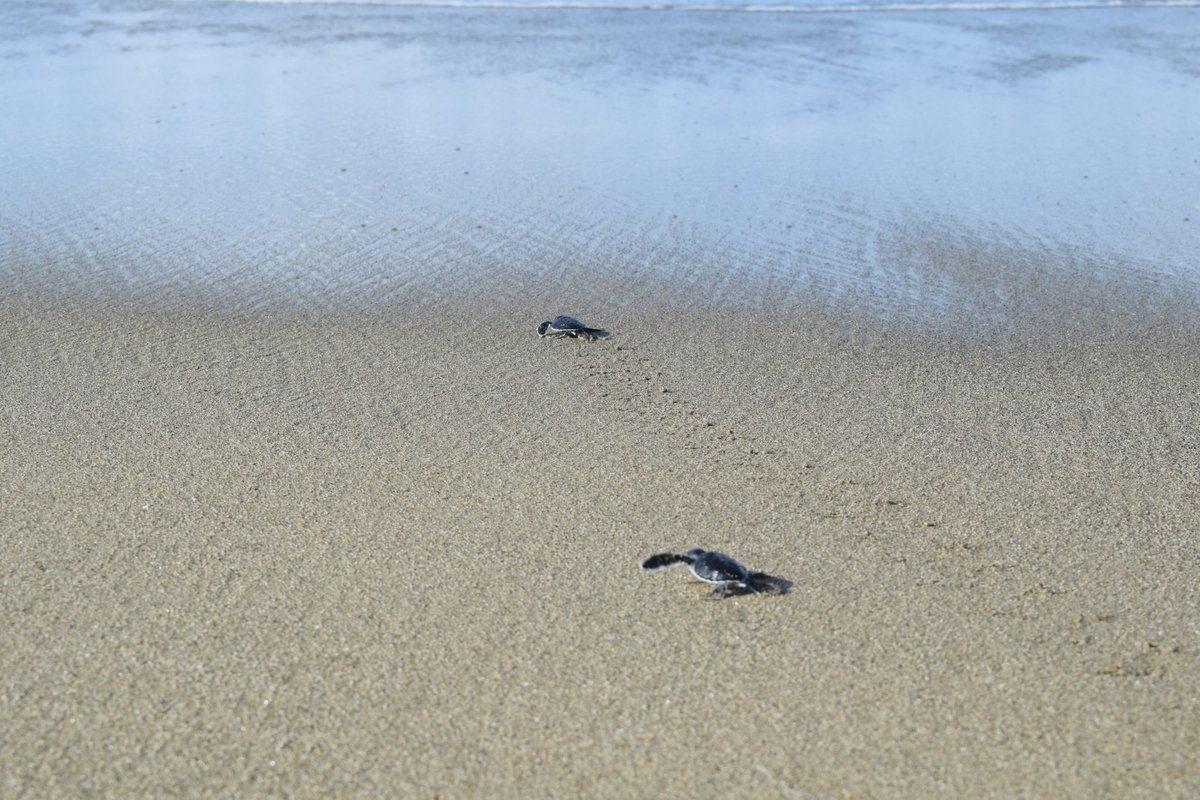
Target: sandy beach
[
  {"x": 357, "y": 556},
  {"x": 285, "y": 515}
]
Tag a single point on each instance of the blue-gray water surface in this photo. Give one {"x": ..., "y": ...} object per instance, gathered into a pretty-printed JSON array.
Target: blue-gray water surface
[{"x": 919, "y": 165}]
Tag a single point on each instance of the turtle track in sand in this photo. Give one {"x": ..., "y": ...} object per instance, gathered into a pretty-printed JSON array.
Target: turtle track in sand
[
  {"x": 771, "y": 481},
  {"x": 770, "y": 485},
  {"x": 626, "y": 380}
]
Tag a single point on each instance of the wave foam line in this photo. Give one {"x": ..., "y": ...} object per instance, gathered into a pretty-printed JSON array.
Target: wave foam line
[{"x": 853, "y": 8}]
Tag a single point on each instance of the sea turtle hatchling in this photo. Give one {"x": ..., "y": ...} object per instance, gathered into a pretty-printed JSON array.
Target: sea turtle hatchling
[
  {"x": 713, "y": 567},
  {"x": 562, "y": 325}
]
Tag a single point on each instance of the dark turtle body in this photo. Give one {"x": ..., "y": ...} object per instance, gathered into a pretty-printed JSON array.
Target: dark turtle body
[
  {"x": 729, "y": 576},
  {"x": 562, "y": 325}
]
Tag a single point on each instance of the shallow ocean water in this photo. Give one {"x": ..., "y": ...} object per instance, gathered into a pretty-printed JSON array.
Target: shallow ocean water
[{"x": 942, "y": 167}]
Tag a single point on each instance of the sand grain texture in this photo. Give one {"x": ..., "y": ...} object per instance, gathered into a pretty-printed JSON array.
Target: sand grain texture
[{"x": 356, "y": 555}]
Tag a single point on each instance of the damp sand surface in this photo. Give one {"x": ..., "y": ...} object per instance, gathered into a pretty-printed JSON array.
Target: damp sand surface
[{"x": 294, "y": 502}]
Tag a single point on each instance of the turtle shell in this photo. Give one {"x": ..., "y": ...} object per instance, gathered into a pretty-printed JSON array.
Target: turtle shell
[
  {"x": 564, "y": 323},
  {"x": 717, "y": 567}
]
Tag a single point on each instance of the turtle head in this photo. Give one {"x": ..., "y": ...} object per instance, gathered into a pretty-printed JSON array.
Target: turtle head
[
  {"x": 695, "y": 553},
  {"x": 542, "y": 328}
]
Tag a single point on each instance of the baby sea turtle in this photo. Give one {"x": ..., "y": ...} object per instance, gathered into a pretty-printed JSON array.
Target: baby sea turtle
[
  {"x": 713, "y": 567},
  {"x": 562, "y": 325}
]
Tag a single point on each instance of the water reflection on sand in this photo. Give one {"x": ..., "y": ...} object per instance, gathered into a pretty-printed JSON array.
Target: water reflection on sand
[{"x": 912, "y": 165}]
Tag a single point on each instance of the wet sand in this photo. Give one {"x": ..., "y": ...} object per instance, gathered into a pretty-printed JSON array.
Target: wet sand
[{"x": 295, "y": 503}]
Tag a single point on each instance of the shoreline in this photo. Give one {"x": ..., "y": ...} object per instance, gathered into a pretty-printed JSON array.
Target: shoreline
[{"x": 969, "y": 189}]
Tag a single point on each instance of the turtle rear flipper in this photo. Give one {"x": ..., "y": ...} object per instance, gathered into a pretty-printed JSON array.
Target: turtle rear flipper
[
  {"x": 762, "y": 583},
  {"x": 593, "y": 334}
]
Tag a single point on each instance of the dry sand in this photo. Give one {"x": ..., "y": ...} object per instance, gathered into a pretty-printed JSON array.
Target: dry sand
[{"x": 361, "y": 554}]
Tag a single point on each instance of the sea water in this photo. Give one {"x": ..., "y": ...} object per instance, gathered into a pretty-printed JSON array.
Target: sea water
[
  {"x": 769, "y": 6},
  {"x": 900, "y": 160}
]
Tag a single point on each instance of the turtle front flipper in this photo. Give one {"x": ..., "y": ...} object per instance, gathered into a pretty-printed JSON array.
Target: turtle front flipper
[{"x": 664, "y": 560}]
